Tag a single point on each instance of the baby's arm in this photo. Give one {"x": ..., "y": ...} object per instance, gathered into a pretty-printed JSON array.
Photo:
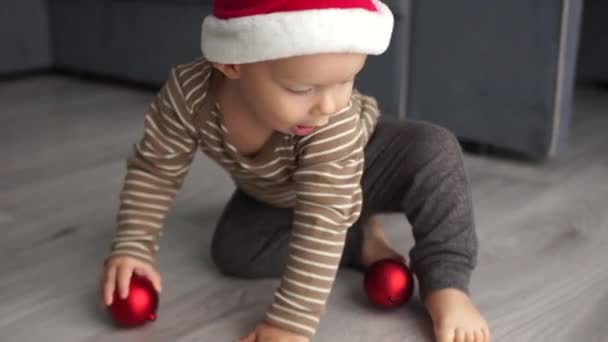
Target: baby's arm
[
  {"x": 328, "y": 202},
  {"x": 155, "y": 171}
]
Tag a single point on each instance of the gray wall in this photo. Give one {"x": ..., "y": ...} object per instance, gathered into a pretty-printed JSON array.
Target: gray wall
[
  {"x": 25, "y": 36},
  {"x": 133, "y": 40}
]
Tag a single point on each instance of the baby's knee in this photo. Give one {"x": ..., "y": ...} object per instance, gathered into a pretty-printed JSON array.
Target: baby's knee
[
  {"x": 437, "y": 139},
  {"x": 227, "y": 259}
]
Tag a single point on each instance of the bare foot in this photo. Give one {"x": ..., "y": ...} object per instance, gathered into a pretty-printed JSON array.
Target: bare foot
[
  {"x": 375, "y": 244},
  {"x": 455, "y": 317}
]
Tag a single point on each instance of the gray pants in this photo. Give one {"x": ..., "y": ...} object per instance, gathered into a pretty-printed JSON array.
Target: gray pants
[{"x": 411, "y": 167}]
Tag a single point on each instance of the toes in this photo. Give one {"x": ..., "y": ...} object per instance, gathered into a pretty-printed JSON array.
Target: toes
[
  {"x": 460, "y": 335},
  {"x": 445, "y": 335},
  {"x": 479, "y": 336},
  {"x": 451, "y": 334},
  {"x": 486, "y": 334}
]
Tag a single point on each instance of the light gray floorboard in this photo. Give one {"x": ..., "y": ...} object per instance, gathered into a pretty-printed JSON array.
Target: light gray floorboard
[{"x": 543, "y": 230}]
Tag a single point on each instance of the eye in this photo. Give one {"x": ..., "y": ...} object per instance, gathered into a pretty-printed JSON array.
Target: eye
[{"x": 300, "y": 91}]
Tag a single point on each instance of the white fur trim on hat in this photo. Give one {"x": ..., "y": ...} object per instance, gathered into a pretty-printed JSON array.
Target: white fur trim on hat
[{"x": 286, "y": 34}]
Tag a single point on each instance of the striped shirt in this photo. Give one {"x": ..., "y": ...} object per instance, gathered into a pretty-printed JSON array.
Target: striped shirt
[{"x": 317, "y": 175}]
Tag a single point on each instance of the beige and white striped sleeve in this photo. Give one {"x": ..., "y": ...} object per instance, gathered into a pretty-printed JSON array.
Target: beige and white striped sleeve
[
  {"x": 328, "y": 202},
  {"x": 155, "y": 172}
]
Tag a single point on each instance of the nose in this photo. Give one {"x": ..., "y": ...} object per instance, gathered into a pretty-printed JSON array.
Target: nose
[{"x": 326, "y": 106}]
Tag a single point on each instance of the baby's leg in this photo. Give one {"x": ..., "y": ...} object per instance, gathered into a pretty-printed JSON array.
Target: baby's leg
[
  {"x": 417, "y": 168},
  {"x": 251, "y": 239}
]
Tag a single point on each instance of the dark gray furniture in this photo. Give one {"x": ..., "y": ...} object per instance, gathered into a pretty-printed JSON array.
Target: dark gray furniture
[
  {"x": 499, "y": 73},
  {"x": 593, "y": 51}
]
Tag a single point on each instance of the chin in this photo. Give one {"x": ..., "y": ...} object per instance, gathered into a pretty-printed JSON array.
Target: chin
[{"x": 283, "y": 130}]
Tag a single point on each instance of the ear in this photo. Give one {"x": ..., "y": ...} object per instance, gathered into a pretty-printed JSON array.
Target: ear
[{"x": 231, "y": 71}]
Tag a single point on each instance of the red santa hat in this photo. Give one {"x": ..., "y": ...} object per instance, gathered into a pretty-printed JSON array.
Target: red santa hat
[{"x": 246, "y": 31}]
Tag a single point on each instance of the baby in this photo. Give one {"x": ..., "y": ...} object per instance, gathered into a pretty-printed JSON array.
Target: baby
[{"x": 272, "y": 102}]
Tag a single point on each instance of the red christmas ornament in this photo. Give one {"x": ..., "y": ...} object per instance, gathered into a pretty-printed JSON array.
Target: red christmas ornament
[
  {"x": 140, "y": 305},
  {"x": 388, "y": 283}
]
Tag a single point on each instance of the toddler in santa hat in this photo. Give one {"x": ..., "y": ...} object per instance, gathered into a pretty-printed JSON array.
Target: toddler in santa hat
[{"x": 272, "y": 101}]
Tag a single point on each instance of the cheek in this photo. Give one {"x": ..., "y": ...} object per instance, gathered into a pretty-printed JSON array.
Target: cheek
[
  {"x": 346, "y": 93},
  {"x": 257, "y": 98},
  {"x": 291, "y": 107},
  {"x": 274, "y": 106},
  {"x": 284, "y": 109}
]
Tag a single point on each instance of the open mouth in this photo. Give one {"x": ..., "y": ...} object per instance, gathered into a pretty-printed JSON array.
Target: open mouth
[{"x": 303, "y": 130}]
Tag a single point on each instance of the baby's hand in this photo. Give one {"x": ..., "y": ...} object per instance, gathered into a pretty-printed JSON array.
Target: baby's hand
[
  {"x": 267, "y": 333},
  {"x": 117, "y": 273}
]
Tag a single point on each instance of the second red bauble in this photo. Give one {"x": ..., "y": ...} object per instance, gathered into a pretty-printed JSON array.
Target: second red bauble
[{"x": 388, "y": 283}]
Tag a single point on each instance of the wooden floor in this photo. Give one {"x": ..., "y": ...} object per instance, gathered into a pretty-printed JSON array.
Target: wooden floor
[{"x": 543, "y": 229}]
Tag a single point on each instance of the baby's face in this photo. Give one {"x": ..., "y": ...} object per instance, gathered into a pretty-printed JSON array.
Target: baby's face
[{"x": 299, "y": 91}]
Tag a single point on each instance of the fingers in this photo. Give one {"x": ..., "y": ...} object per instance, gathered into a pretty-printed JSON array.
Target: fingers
[
  {"x": 117, "y": 275},
  {"x": 248, "y": 338},
  {"x": 109, "y": 283},
  {"x": 151, "y": 275},
  {"x": 124, "y": 278}
]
